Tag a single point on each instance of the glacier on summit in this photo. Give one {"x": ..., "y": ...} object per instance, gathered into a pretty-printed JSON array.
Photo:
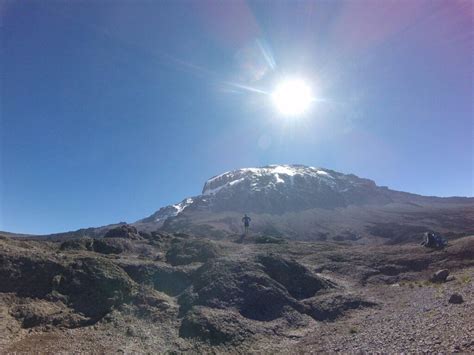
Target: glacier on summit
[
  {"x": 268, "y": 175},
  {"x": 277, "y": 189}
]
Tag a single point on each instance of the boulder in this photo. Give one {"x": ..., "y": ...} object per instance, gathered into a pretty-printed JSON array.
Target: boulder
[
  {"x": 456, "y": 298},
  {"x": 124, "y": 231},
  {"x": 440, "y": 275}
]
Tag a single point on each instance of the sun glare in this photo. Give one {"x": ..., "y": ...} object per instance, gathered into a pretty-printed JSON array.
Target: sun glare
[{"x": 292, "y": 97}]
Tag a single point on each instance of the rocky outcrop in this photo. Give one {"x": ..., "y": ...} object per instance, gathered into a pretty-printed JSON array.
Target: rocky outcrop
[
  {"x": 183, "y": 252},
  {"x": 297, "y": 279},
  {"x": 94, "y": 285},
  {"x": 163, "y": 278},
  {"x": 216, "y": 326},
  {"x": 263, "y": 290},
  {"x": 91, "y": 286},
  {"x": 124, "y": 231},
  {"x": 243, "y": 286}
]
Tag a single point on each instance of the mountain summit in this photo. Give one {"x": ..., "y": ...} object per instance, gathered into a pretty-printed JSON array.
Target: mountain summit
[
  {"x": 284, "y": 188},
  {"x": 303, "y": 202},
  {"x": 276, "y": 189}
]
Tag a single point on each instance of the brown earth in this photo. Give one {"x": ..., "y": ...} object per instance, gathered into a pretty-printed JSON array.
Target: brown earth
[{"x": 159, "y": 292}]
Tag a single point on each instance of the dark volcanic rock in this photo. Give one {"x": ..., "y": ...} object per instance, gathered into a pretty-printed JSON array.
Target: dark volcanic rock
[
  {"x": 183, "y": 252},
  {"x": 243, "y": 286},
  {"x": 166, "y": 279},
  {"x": 89, "y": 285},
  {"x": 215, "y": 326},
  {"x": 124, "y": 231},
  {"x": 28, "y": 275},
  {"x": 266, "y": 290},
  {"x": 440, "y": 275},
  {"x": 298, "y": 280},
  {"x": 456, "y": 298},
  {"x": 34, "y": 313},
  {"x": 112, "y": 246},
  {"x": 93, "y": 286},
  {"x": 103, "y": 246},
  {"x": 77, "y": 244}
]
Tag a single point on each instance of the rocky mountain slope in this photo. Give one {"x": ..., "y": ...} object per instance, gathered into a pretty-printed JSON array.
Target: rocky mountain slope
[
  {"x": 309, "y": 203},
  {"x": 157, "y": 292}
]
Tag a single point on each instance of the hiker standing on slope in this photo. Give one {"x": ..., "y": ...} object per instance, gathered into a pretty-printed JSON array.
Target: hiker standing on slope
[{"x": 246, "y": 220}]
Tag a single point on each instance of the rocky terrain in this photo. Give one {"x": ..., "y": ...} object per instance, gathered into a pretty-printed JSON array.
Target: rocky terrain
[{"x": 133, "y": 291}]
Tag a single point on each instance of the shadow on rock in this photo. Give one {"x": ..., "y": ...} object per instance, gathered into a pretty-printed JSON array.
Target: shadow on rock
[
  {"x": 333, "y": 305},
  {"x": 300, "y": 282},
  {"x": 163, "y": 278}
]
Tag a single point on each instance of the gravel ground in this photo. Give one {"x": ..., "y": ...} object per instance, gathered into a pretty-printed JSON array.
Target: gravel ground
[{"x": 414, "y": 317}]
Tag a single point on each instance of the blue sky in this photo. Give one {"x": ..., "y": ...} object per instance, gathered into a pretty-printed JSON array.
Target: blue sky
[{"x": 110, "y": 110}]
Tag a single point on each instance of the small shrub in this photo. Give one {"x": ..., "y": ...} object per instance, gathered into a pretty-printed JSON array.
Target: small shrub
[{"x": 465, "y": 279}]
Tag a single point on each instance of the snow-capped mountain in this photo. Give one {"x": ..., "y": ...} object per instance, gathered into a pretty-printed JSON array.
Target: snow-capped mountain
[
  {"x": 277, "y": 189},
  {"x": 169, "y": 211},
  {"x": 307, "y": 203},
  {"x": 284, "y": 188},
  {"x": 266, "y": 178}
]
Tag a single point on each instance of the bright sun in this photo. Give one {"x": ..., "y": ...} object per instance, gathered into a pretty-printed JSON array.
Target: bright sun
[{"x": 292, "y": 97}]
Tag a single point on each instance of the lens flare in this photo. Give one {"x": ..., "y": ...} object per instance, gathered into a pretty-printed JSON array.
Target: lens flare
[{"x": 292, "y": 97}]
